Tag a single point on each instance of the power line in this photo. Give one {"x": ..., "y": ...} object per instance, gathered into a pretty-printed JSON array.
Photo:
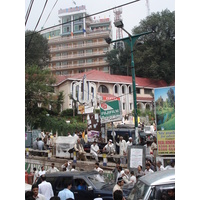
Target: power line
[
  {"x": 84, "y": 17},
  {"x": 28, "y": 11},
  {"x": 50, "y": 13}
]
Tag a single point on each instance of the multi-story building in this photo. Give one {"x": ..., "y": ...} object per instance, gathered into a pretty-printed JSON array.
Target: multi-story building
[{"x": 78, "y": 44}]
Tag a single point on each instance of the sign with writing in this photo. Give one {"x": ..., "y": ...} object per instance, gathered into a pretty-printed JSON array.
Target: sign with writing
[
  {"x": 165, "y": 120},
  {"x": 110, "y": 111},
  {"x": 166, "y": 142},
  {"x": 135, "y": 158}
]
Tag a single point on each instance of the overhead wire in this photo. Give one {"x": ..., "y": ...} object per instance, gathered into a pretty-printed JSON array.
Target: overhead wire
[
  {"x": 97, "y": 13},
  {"x": 50, "y": 12},
  {"x": 28, "y": 11}
]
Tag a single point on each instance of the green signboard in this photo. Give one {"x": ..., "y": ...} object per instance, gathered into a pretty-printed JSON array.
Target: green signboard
[{"x": 110, "y": 111}]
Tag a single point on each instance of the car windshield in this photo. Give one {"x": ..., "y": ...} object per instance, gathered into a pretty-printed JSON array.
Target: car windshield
[
  {"x": 96, "y": 180},
  {"x": 139, "y": 191}
]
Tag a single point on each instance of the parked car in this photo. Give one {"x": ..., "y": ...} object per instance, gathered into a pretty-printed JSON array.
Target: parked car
[
  {"x": 94, "y": 187},
  {"x": 154, "y": 186}
]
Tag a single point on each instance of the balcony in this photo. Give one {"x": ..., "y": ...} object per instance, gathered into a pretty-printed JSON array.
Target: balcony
[
  {"x": 79, "y": 66},
  {"x": 89, "y": 35},
  {"x": 78, "y": 46},
  {"x": 77, "y": 56}
]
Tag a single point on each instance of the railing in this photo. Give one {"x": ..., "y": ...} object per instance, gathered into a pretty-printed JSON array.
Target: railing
[
  {"x": 75, "y": 66},
  {"x": 93, "y": 44},
  {"x": 75, "y": 56},
  {"x": 75, "y": 37}
]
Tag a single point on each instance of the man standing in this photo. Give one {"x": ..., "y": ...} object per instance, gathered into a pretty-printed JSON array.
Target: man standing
[
  {"x": 119, "y": 185},
  {"x": 148, "y": 170},
  {"x": 52, "y": 169},
  {"x": 45, "y": 188},
  {"x": 36, "y": 195},
  {"x": 40, "y": 144},
  {"x": 115, "y": 171},
  {"x": 66, "y": 193},
  {"x": 42, "y": 171},
  {"x": 122, "y": 149},
  {"x": 94, "y": 150},
  {"x": 36, "y": 175},
  {"x": 159, "y": 166},
  {"x": 79, "y": 148},
  {"x": 154, "y": 148}
]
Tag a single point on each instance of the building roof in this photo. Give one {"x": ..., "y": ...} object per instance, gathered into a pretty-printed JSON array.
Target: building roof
[{"x": 102, "y": 77}]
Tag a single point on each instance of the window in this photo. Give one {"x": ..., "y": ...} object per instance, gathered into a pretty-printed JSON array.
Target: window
[
  {"x": 89, "y": 51},
  {"x": 105, "y": 69},
  {"x": 123, "y": 106},
  {"x": 130, "y": 90},
  {"x": 116, "y": 89},
  {"x": 138, "y": 90},
  {"x": 89, "y": 60},
  {"x": 131, "y": 106},
  {"x": 103, "y": 89},
  {"x": 81, "y": 61},
  {"x": 147, "y": 91},
  {"x": 122, "y": 89},
  {"x": 89, "y": 41},
  {"x": 78, "y": 27}
]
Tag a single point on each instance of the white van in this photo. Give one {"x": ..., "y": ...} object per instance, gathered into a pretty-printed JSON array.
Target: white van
[{"x": 155, "y": 186}]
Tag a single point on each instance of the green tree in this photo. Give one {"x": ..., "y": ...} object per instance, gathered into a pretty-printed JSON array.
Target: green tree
[
  {"x": 171, "y": 97},
  {"x": 38, "y": 87},
  {"x": 156, "y": 57},
  {"x": 36, "y": 49}
]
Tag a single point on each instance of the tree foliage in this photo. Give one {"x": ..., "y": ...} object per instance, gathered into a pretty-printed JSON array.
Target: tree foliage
[
  {"x": 156, "y": 57},
  {"x": 36, "y": 49},
  {"x": 38, "y": 89}
]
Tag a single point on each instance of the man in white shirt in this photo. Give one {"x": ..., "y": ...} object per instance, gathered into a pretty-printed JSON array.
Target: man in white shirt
[
  {"x": 159, "y": 166},
  {"x": 109, "y": 148},
  {"x": 94, "y": 150},
  {"x": 133, "y": 178},
  {"x": 97, "y": 168},
  {"x": 52, "y": 169},
  {"x": 122, "y": 149},
  {"x": 45, "y": 188},
  {"x": 148, "y": 170},
  {"x": 119, "y": 185},
  {"x": 42, "y": 171},
  {"x": 66, "y": 166},
  {"x": 171, "y": 166},
  {"x": 36, "y": 195}
]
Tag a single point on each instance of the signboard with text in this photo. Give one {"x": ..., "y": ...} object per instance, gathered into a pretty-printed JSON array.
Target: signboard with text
[
  {"x": 166, "y": 142},
  {"x": 110, "y": 111},
  {"x": 165, "y": 119}
]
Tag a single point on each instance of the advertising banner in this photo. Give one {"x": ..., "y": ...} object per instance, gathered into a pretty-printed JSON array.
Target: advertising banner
[
  {"x": 110, "y": 111},
  {"x": 165, "y": 119},
  {"x": 166, "y": 142}
]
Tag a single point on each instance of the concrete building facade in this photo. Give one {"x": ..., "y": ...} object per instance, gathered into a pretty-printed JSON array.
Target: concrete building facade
[{"x": 78, "y": 44}]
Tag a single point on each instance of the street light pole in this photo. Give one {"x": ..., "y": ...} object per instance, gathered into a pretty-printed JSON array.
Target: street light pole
[{"x": 130, "y": 40}]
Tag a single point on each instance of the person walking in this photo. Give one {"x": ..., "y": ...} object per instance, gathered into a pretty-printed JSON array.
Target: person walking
[
  {"x": 94, "y": 150},
  {"x": 52, "y": 169},
  {"x": 154, "y": 149},
  {"x": 66, "y": 193},
  {"x": 36, "y": 195},
  {"x": 122, "y": 149},
  {"x": 45, "y": 188},
  {"x": 35, "y": 175}
]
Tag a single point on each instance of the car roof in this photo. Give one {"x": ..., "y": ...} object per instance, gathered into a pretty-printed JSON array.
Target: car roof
[
  {"x": 159, "y": 178},
  {"x": 71, "y": 173}
]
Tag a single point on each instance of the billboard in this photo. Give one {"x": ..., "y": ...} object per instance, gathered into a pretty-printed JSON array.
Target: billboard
[
  {"x": 165, "y": 119},
  {"x": 110, "y": 111}
]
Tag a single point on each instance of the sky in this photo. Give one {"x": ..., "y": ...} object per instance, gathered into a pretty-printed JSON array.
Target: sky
[
  {"x": 162, "y": 92},
  {"x": 132, "y": 14}
]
